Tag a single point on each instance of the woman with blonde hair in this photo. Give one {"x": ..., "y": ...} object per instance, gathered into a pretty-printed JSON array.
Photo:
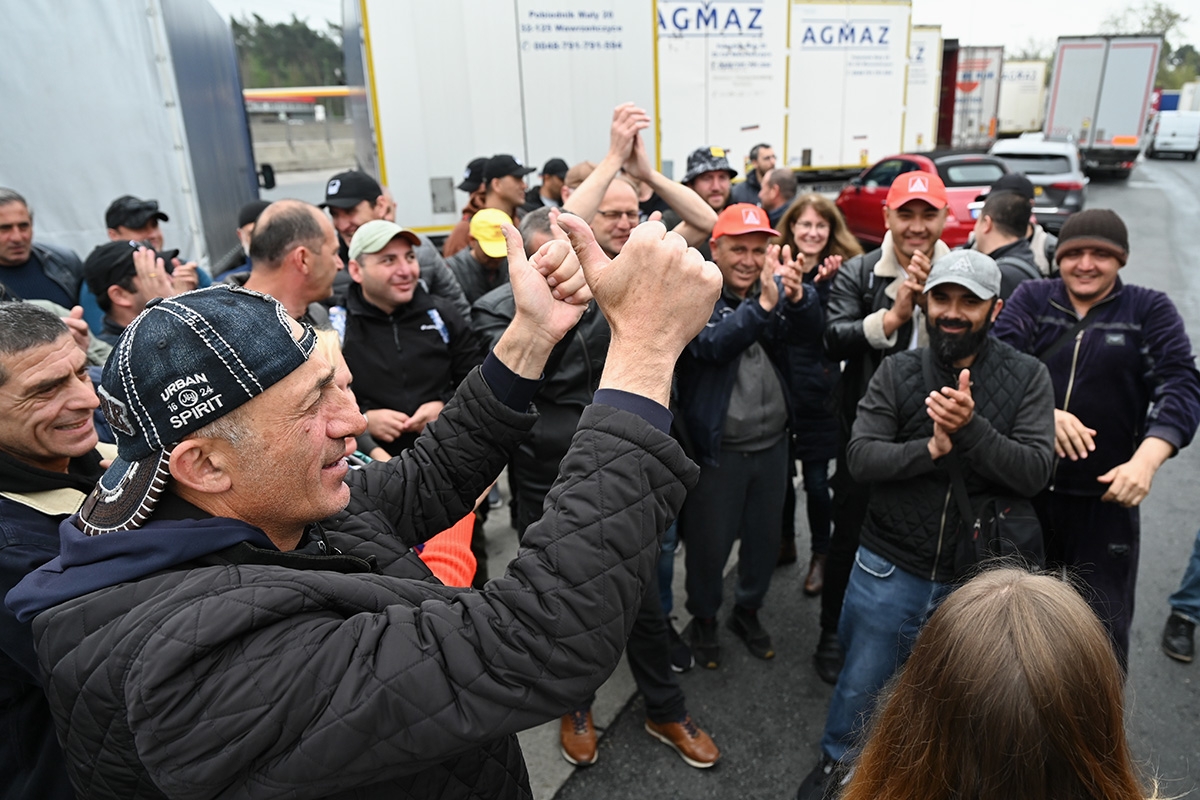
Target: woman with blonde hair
[
  {"x": 814, "y": 233},
  {"x": 1012, "y": 691}
]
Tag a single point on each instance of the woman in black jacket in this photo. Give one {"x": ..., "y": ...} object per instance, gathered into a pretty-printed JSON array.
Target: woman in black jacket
[{"x": 814, "y": 231}]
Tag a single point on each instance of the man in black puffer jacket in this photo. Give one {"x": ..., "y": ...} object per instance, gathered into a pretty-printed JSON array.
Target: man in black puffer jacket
[
  {"x": 984, "y": 411},
  {"x": 203, "y": 635}
]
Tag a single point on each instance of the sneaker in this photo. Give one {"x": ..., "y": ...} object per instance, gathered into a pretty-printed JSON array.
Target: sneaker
[
  {"x": 1179, "y": 638},
  {"x": 826, "y": 780},
  {"x": 694, "y": 746},
  {"x": 745, "y": 624},
  {"x": 704, "y": 643},
  {"x": 578, "y": 738},
  {"x": 681, "y": 655},
  {"x": 829, "y": 657}
]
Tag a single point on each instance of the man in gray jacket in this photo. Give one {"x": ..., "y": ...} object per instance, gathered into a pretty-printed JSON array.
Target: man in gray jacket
[
  {"x": 967, "y": 410},
  {"x": 236, "y": 614}
]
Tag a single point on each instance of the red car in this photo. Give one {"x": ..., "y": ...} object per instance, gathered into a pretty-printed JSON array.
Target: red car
[{"x": 965, "y": 176}]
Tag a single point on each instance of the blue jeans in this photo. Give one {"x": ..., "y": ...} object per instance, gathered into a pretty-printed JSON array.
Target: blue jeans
[
  {"x": 666, "y": 567},
  {"x": 1186, "y": 600},
  {"x": 882, "y": 614}
]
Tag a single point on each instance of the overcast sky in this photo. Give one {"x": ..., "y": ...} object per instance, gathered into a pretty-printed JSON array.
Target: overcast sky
[{"x": 1012, "y": 23}]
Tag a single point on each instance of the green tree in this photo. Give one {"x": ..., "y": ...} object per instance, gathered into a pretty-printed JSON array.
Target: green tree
[
  {"x": 287, "y": 53},
  {"x": 1154, "y": 16}
]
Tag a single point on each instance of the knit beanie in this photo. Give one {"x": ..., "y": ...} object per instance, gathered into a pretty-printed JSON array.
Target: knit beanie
[{"x": 1097, "y": 227}]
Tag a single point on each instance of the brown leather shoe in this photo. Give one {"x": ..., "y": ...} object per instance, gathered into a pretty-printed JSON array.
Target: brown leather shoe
[
  {"x": 694, "y": 746},
  {"x": 816, "y": 575},
  {"x": 578, "y": 737}
]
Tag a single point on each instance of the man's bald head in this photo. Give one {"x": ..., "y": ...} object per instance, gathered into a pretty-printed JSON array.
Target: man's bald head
[{"x": 281, "y": 228}]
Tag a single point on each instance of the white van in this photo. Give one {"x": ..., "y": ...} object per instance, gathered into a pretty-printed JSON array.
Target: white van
[{"x": 1175, "y": 132}]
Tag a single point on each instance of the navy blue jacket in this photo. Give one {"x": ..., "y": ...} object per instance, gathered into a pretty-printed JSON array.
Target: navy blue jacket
[
  {"x": 1131, "y": 375},
  {"x": 708, "y": 367},
  {"x": 32, "y": 504}
]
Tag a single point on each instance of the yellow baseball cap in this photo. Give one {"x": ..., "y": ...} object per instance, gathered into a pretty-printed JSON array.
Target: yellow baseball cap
[{"x": 485, "y": 229}]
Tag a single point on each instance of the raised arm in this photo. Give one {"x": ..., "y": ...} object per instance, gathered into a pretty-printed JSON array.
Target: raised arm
[
  {"x": 628, "y": 119},
  {"x": 698, "y": 217}
]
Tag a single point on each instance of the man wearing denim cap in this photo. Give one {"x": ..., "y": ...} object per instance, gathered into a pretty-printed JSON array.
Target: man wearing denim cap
[
  {"x": 199, "y": 608},
  {"x": 406, "y": 348},
  {"x": 481, "y": 266},
  {"x": 966, "y": 403}
]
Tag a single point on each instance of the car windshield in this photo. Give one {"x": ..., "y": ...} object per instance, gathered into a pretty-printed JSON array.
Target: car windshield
[
  {"x": 971, "y": 173},
  {"x": 1036, "y": 163}
]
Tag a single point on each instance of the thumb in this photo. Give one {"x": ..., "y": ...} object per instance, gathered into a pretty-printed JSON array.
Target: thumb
[
  {"x": 590, "y": 256},
  {"x": 517, "y": 262},
  {"x": 964, "y": 381},
  {"x": 555, "y": 231},
  {"x": 1108, "y": 476},
  {"x": 76, "y": 312}
]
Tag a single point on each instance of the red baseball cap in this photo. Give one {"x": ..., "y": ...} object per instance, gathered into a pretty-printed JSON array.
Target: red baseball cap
[
  {"x": 742, "y": 218},
  {"x": 917, "y": 186}
]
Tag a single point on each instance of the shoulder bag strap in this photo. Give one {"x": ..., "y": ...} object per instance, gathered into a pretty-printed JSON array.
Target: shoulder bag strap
[{"x": 1070, "y": 333}]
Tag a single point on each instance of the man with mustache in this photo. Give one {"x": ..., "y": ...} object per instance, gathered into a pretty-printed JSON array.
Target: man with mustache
[
  {"x": 990, "y": 406},
  {"x": 873, "y": 310}
]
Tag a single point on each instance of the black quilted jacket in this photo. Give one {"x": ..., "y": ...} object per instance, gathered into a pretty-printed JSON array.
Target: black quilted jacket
[
  {"x": 253, "y": 674},
  {"x": 1006, "y": 449}
]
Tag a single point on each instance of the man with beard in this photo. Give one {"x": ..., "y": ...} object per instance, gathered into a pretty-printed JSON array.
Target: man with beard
[{"x": 988, "y": 415}]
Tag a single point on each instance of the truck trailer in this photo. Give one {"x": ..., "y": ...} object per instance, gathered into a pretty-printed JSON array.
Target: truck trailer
[
  {"x": 977, "y": 96},
  {"x": 1022, "y": 98},
  {"x": 124, "y": 97},
  {"x": 822, "y": 82},
  {"x": 1100, "y": 96}
]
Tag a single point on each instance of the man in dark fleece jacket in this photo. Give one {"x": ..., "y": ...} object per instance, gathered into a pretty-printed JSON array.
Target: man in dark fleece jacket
[
  {"x": 1127, "y": 397},
  {"x": 966, "y": 404},
  {"x": 203, "y": 635}
]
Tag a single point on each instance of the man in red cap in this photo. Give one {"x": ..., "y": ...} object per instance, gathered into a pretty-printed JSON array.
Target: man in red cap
[
  {"x": 873, "y": 312},
  {"x": 734, "y": 408}
]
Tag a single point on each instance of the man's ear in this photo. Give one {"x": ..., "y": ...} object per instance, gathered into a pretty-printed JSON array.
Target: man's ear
[
  {"x": 200, "y": 465},
  {"x": 114, "y": 235},
  {"x": 119, "y": 297},
  {"x": 996, "y": 308},
  {"x": 297, "y": 259},
  {"x": 355, "y": 270}
]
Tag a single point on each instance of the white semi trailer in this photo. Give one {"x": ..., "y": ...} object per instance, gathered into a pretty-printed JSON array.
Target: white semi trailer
[{"x": 1100, "y": 96}]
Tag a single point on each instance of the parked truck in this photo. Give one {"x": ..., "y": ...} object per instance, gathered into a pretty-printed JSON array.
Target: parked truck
[
  {"x": 977, "y": 96},
  {"x": 126, "y": 97},
  {"x": 1100, "y": 96},
  {"x": 539, "y": 79},
  {"x": 1022, "y": 98},
  {"x": 923, "y": 89},
  {"x": 1189, "y": 97}
]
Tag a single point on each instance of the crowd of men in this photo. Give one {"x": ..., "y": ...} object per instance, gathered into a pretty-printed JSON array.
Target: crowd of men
[{"x": 1012, "y": 398}]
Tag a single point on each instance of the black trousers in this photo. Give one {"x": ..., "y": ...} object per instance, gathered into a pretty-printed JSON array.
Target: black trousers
[
  {"x": 850, "y": 500},
  {"x": 649, "y": 655},
  {"x": 1099, "y": 543}
]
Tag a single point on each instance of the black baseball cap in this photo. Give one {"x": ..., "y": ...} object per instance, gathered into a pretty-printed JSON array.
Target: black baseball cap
[
  {"x": 473, "y": 175},
  {"x": 1016, "y": 183},
  {"x": 556, "y": 167},
  {"x": 348, "y": 189},
  {"x": 112, "y": 262},
  {"x": 132, "y": 212},
  {"x": 251, "y": 211},
  {"x": 503, "y": 164}
]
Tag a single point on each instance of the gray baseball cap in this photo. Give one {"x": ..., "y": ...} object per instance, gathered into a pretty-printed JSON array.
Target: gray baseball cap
[{"x": 970, "y": 269}]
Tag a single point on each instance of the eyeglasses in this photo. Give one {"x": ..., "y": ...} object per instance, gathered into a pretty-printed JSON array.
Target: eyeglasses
[
  {"x": 975, "y": 208},
  {"x": 810, "y": 226},
  {"x": 613, "y": 216}
]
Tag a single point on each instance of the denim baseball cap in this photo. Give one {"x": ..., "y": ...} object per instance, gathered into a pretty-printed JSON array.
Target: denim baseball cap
[
  {"x": 184, "y": 362},
  {"x": 970, "y": 269}
]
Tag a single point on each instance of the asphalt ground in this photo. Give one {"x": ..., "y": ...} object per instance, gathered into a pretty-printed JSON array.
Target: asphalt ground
[{"x": 767, "y": 715}]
